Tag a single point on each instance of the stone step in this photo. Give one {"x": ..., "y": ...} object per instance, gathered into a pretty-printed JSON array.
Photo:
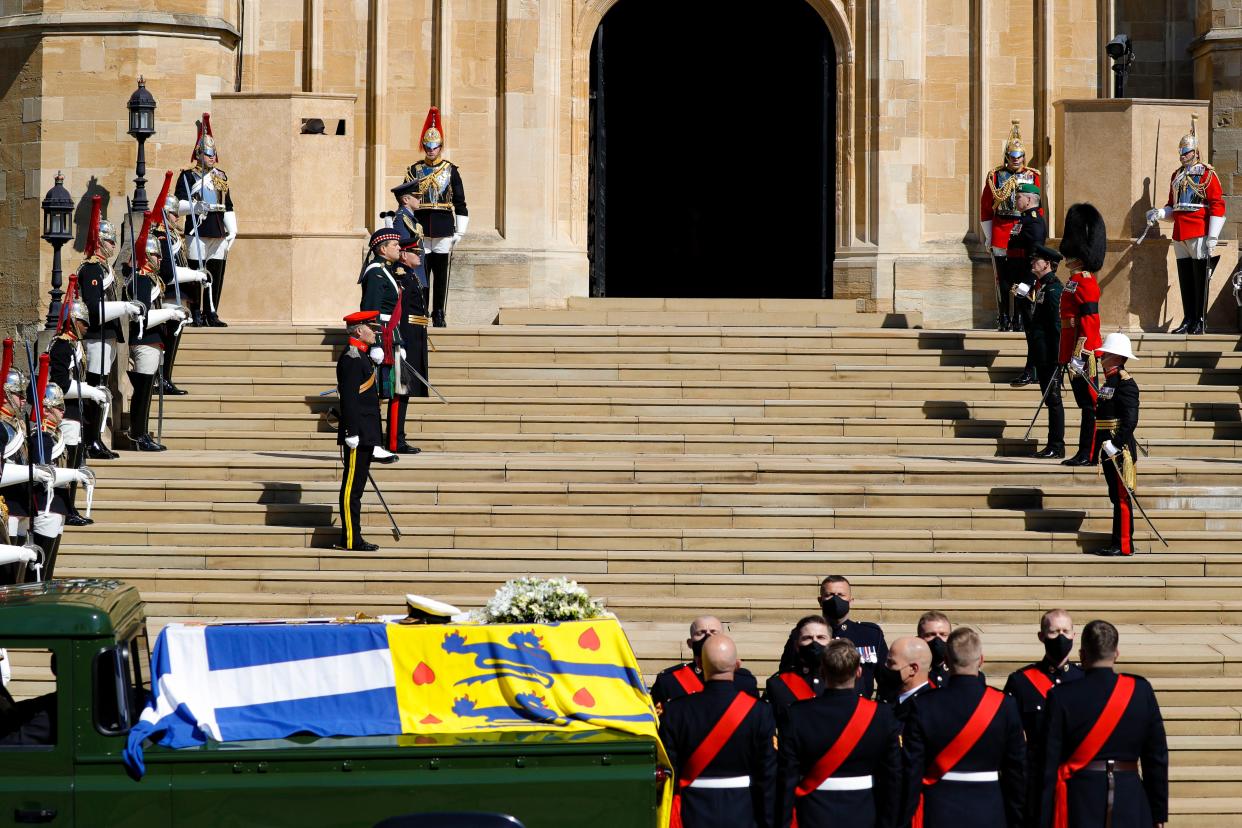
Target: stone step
[
  {"x": 1208, "y": 812},
  {"x": 831, "y": 316}
]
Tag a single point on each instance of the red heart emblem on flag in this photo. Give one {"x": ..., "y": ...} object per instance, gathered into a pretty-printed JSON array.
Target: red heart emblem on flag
[
  {"x": 429, "y": 719},
  {"x": 583, "y": 698},
  {"x": 425, "y": 740},
  {"x": 424, "y": 674},
  {"x": 589, "y": 640}
]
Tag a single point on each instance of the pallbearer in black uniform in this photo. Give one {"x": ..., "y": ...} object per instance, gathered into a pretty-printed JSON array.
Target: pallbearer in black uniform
[
  {"x": 382, "y": 293},
  {"x": 687, "y": 678},
  {"x": 68, "y": 372},
  {"x": 204, "y": 198},
  {"x": 799, "y": 675},
  {"x": 1100, "y": 731},
  {"x": 719, "y": 742},
  {"x": 966, "y": 758},
  {"x": 903, "y": 678},
  {"x": 1029, "y": 687},
  {"x": 835, "y": 597},
  {"x": 1116, "y": 418},
  {"x": 934, "y": 628},
  {"x": 1030, "y": 232},
  {"x": 146, "y": 345},
  {"x": 839, "y": 761},
  {"x": 442, "y": 210},
  {"x": 413, "y": 331},
  {"x": 359, "y": 431},
  {"x": 100, "y": 292},
  {"x": 1043, "y": 336}
]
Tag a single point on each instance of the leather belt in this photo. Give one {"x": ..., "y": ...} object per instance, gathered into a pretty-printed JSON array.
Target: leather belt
[
  {"x": 845, "y": 783},
  {"x": 721, "y": 782},
  {"x": 1111, "y": 767},
  {"x": 970, "y": 776},
  {"x": 1106, "y": 424},
  {"x": 418, "y": 320}
]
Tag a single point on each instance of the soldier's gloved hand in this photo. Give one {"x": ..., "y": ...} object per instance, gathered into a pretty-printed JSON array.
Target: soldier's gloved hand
[
  {"x": 352, "y": 442},
  {"x": 1022, "y": 290},
  {"x": 1109, "y": 448},
  {"x": 96, "y": 395},
  {"x": 201, "y": 208},
  {"x": 42, "y": 476},
  {"x": 377, "y": 355},
  {"x": 134, "y": 309},
  {"x": 402, "y": 351},
  {"x": 1078, "y": 365},
  {"x": 1154, "y": 214},
  {"x": 1211, "y": 245},
  {"x": 457, "y": 238}
]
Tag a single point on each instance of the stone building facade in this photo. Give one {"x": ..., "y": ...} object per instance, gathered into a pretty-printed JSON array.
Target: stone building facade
[{"x": 925, "y": 92}]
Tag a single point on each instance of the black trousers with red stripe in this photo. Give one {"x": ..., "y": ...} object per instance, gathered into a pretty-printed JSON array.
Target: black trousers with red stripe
[{"x": 1123, "y": 508}]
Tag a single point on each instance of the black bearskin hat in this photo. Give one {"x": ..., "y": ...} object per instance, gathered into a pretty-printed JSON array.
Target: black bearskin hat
[{"x": 1084, "y": 236}]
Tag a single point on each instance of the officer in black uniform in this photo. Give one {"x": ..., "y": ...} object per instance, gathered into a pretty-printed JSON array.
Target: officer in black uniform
[
  {"x": 413, "y": 331},
  {"x": 1043, "y": 336},
  {"x": 359, "y": 431},
  {"x": 934, "y": 629},
  {"x": 1116, "y": 418},
  {"x": 903, "y": 678},
  {"x": 737, "y": 787},
  {"x": 835, "y": 597},
  {"x": 382, "y": 293},
  {"x": 864, "y": 790},
  {"x": 798, "y": 676},
  {"x": 687, "y": 678},
  {"x": 1029, "y": 687},
  {"x": 1031, "y": 231},
  {"x": 986, "y": 786},
  {"x": 1107, "y": 790}
]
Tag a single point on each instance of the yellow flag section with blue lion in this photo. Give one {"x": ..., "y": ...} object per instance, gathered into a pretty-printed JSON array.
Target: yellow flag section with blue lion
[{"x": 571, "y": 676}]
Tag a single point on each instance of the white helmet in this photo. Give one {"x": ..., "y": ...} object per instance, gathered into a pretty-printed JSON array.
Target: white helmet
[{"x": 1118, "y": 344}]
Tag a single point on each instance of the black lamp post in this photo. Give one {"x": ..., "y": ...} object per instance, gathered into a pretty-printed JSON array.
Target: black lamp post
[
  {"x": 57, "y": 207},
  {"x": 142, "y": 126}
]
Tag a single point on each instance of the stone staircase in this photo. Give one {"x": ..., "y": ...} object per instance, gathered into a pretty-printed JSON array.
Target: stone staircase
[{"x": 687, "y": 456}]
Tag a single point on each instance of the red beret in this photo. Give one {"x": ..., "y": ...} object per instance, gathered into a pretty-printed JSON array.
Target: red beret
[
  {"x": 361, "y": 316},
  {"x": 412, "y": 243}
]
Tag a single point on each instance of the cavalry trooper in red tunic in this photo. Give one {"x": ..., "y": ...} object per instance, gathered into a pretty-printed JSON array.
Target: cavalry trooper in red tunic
[
  {"x": 1198, "y": 212},
  {"x": 1001, "y": 220},
  {"x": 1083, "y": 245}
]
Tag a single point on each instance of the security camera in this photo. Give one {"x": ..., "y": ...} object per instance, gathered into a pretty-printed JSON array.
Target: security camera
[{"x": 1119, "y": 47}]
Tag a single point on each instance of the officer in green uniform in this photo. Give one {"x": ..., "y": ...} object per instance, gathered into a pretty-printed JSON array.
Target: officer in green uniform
[{"x": 1044, "y": 335}]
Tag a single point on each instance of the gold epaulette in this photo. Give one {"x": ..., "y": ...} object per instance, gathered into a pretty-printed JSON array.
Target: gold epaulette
[{"x": 1125, "y": 375}]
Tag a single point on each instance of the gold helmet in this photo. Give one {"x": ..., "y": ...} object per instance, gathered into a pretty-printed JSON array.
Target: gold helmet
[
  {"x": 1014, "y": 147},
  {"x": 433, "y": 131},
  {"x": 1190, "y": 141}
]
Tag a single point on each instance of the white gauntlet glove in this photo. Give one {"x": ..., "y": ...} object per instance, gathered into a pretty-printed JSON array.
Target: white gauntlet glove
[
  {"x": 1109, "y": 448},
  {"x": 377, "y": 355},
  {"x": 134, "y": 310},
  {"x": 1154, "y": 215},
  {"x": 352, "y": 442},
  {"x": 66, "y": 476},
  {"x": 42, "y": 476}
]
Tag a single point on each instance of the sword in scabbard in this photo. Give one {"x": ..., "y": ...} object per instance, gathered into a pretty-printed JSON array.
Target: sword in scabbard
[
  {"x": 1056, "y": 380},
  {"x": 396, "y": 531},
  {"x": 1121, "y": 478},
  {"x": 424, "y": 381}
]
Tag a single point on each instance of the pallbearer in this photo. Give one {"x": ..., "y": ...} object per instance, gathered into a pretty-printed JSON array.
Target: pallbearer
[{"x": 1198, "y": 212}]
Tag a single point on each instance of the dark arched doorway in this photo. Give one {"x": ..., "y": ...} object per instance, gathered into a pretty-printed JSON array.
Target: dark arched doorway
[{"x": 712, "y": 145}]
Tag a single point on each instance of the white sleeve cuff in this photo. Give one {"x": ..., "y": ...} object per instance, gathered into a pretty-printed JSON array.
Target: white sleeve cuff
[
  {"x": 1215, "y": 225},
  {"x": 462, "y": 223}
]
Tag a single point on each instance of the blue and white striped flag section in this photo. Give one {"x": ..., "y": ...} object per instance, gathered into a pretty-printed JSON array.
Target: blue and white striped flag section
[{"x": 226, "y": 683}]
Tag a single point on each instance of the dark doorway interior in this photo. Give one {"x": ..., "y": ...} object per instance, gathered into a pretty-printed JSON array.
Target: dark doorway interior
[{"x": 712, "y": 150}]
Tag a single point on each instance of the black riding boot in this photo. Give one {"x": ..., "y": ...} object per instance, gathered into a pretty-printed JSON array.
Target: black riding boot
[
  {"x": 50, "y": 546},
  {"x": 1185, "y": 286},
  {"x": 93, "y": 424},
  {"x": 171, "y": 344},
  {"x": 139, "y": 412}
]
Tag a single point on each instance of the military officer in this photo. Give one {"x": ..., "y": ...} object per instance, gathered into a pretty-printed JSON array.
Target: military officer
[
  {"x": 687, "y": 678},
  {"x": 839, "y": 761},
  {"x": 413, "y": 331},
  {"x": 97, "y": 284},
  {"x": 359, "y": 432},
  {"x": 1043, "y": 335},
  {"x": 1116, "y": 418},
  {"x": 799, "y": 676},
  {"x": 999, "y": 216},
  {"x": 835, "y": 597},
  {"x": 204, "y": 198},
  {"x": 1197, "y": 208},
  {"x": 934, "y": 628},
  {"x": 68, "y": 372},
  {"x": 1100, "y": 730},
  {"x": 382, "y": 293},
  {"x": 1083, "y": 246},
  {"x": 720, "y": 744},
  {"x": 965, "y": 755},
  {"x": 1030, "y": 232},
  {"x": 903, "y": 677},
  {"x": 178, "y": 280},
  {"x": 442, "y": 210}
]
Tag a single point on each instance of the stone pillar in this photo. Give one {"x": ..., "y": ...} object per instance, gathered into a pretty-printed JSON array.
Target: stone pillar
[
  {"x": 299, "y": 247},
  {"x": 1118, "y": 154}
]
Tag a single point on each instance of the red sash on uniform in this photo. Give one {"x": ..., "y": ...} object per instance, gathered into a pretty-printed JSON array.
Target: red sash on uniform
[
  {"x": 688, "y": 679},
  {"x": 798, "y": 686},
  {"x": 966, "y": 739},
  {"x": 1085, "y": 753},
  {"x": 841, "y": 749},
  {"x": 710, "y": 748},
  {"x": 1041, "y": 682}
]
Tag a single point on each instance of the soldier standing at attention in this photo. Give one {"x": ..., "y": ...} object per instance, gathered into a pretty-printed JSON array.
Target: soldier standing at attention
[
  {"x": 1198, "y": 212},
  {"x": 1030, "y": 232},
  {"x": 904, "y": 677},
  {"x": 382, "y": 293},
  {"x": 999, "y": 216},
  {"x": 1099, "y": 730},
  {"x": 413, "y": 330},
  {"x": 204, "y": 198},
  {"x": 1116, "y": 417},
  {"x": 1043, "y": 336},
  {"x": 799, "y": 676},
  {"x": 359, "y": 431},
  {"x": 442, "y": 210},
  {"x": 1083, "y": 246},
  {"x": 720, "y": 744},
  {"x": 934, "y": 628},
  {"x": 835, "y": 597},
  {"x": 687, "y": 678}
]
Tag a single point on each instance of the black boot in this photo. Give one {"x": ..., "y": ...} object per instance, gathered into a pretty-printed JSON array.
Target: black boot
[
  {"x": 171, "y": 344},
  {"x": 1200, "y": 289},
  {"x": 50, "y": 546},
  {"x": 139, "y": 412},
  {"x": 93, "y": 424},
  {"x": 1185, "y": 286},
  {"x": 1026, "y": 378},
  {"x": 216, "y": 268}
]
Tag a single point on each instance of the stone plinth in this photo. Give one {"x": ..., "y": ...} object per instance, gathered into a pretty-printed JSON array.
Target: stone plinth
[
  {"x": 1118, "y": 154},
  {"x": 299, "y": 244}
]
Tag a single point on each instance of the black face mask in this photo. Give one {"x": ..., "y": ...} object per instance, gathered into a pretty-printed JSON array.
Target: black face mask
[
  {"x": 696, "y": 646},
  {"x": 810, "y": 654},
  {"x": 834, "y": 607},
  {"x": 887, "y": 682},
  {"x": 1056, "y": 648},
  {"x": 939, "y": 650}
]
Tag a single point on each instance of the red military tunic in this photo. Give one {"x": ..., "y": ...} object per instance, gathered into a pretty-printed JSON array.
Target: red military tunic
[
  {"x": 998, "y": 203},
  {"x": 1080, "y": 315},
  {"x": 1194, "y": 196}
]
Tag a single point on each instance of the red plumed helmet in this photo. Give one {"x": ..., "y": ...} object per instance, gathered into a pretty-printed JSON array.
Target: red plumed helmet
[
  {"x": 140, "y": 250},
  {"x": 433, "y": 129},
  {"x": 92, "y": 232},
  {"x": 7, "y": 362},
  {"x": 45, "y": 365},
  {"x": 205, "y": 141}
]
